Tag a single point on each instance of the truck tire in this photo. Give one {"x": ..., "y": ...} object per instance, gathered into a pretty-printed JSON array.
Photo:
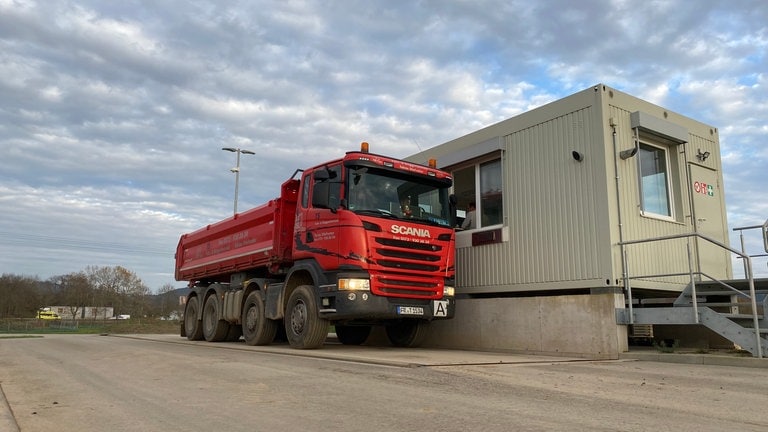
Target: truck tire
[
  {"x": 352, "y": 335},
  {"x": 257, "y": 328},
  {"x": 214, "y": 329},
  {"x": 192, "y": 327},
  {"x": 407, "y": 333},
  {"x": 304, "y": 327}
]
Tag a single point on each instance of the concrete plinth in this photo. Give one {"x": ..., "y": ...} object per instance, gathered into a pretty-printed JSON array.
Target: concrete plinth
[{"x": 564, "y": 325}]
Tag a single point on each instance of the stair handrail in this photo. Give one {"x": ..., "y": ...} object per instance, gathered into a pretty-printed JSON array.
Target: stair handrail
[
  {"x": 747, "y": 270},
  {"x": 764, "y": 230}
]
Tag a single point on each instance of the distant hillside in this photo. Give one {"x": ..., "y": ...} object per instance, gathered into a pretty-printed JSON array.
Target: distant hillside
[{"x": 169, "y": 300}]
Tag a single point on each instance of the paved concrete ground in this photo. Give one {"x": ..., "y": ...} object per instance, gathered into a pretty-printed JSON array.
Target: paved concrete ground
[
  {"x": 712, "y": 357},
  {"x": 7, "y": 422},
  {"x": 164, "y": 382},
  {"x": 405, "y": 357},
  {"x": 380, "y": 355}
]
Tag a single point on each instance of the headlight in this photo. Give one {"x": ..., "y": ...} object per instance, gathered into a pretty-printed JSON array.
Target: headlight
[
  {"x": 448, "y": 291},
  {"x": 355, "y": 284}
]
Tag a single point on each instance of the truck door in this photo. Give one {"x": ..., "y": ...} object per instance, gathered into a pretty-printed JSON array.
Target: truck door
[
  {"x": 709, "y": 220},
  {"x": 317, "y": 220}
]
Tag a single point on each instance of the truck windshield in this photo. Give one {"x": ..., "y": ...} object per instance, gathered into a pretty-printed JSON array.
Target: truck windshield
[{"x": 397, "y": 195}]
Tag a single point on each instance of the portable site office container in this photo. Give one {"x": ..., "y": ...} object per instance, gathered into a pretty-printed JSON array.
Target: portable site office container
[{"x": 558, "y": 189}]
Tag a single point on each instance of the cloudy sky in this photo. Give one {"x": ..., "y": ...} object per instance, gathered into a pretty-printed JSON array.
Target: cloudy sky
[{"x": 113, "y": 113}]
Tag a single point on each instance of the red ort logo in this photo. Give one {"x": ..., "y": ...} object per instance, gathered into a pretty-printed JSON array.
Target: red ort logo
[{"x": 703, "y": 188}]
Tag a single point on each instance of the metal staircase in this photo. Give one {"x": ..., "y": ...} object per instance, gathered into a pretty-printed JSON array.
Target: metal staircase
[
  {"x": 724, "y": 307},
  {"x": 735, "y": 309}
]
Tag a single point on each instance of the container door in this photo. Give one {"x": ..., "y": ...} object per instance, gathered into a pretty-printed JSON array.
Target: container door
[{"x": 709, "y": 220}]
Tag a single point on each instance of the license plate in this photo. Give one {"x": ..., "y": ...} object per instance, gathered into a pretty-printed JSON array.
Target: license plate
[{"x": 410, "y": 310}]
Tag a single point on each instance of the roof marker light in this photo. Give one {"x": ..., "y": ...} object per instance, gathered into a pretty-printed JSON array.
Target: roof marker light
[{"x": 364, "y": 147}]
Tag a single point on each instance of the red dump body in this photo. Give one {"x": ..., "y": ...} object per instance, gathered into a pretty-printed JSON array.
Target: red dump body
[{"x": 260, "y": 237}]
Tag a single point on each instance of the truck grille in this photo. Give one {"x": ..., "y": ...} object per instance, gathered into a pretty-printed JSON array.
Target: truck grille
[
  {"x": 391, "y": 286},
  {"x": 408, "y": 269}
]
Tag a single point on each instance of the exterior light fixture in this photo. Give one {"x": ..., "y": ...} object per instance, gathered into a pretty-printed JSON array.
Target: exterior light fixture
[
  {"x": 626, "y": 154},
  {"x": 236, "y": 169},
  {"x": 702, "y": 156}
]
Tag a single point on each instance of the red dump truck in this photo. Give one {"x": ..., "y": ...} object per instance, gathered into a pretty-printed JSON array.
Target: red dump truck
[{"x": 356, "y": 242}]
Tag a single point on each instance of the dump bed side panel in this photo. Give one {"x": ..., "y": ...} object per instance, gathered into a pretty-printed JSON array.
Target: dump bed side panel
[
  {"x": 220, "y": 248},
  {"x": 257, "y": 238}
]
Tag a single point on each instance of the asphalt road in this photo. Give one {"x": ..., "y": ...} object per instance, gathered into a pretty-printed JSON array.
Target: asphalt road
[{"x": 165, "y": 383}]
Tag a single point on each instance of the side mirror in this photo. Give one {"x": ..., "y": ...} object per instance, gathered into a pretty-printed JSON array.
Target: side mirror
[
  {"x": 321, "y": 195},
  {"x": 326, "y": 195}
]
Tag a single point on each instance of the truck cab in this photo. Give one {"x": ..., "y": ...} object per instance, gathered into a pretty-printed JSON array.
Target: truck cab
[{"x": 379, "y": 231}]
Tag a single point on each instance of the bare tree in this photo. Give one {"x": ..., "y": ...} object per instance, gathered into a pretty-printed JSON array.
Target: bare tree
[
  {"x": 75, "y": 292},
  {"x": 120, "y": 288},
  {"x": 105, "y": 286},
  {"x": 20, "y": 296},
  {"x": 98, "y": 287},
  {"x": 170, "y": 301}
]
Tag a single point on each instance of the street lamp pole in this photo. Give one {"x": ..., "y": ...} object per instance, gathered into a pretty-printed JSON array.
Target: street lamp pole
[{"x": 236, "y": 169}]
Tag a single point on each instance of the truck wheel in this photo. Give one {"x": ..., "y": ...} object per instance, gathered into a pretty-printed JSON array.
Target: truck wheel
[
  {"x": 214, "y": 329},
  {"x": 352, "y": 335},
  {"x": 257, "y": 328},
  {"x": 407, "y": 333},
  {"x": 192, "y": 327},
  {"x": 303, "y": 326}
]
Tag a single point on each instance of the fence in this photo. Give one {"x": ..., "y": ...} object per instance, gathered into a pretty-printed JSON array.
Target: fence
[
  {"x": 34, "y": 325},
  {"x": 138, "y": 325}
]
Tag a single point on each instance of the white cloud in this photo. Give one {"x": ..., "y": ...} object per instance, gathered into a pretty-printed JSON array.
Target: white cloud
[{"x": 114, "y": 113}]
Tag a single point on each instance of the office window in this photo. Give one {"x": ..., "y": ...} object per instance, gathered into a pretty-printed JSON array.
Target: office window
[
  {"x": 654, "y": 180},
  {"x": 490, "y": 208},
  {"x": 480, "y": 182}
]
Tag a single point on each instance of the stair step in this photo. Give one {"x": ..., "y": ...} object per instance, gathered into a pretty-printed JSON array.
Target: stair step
[
  {"x": 762, "y": 332},
  {"x": 724, "y": 292},
  {"x": 718, "y": 304},
  {"x": 740, "y": 316},
  {"x": 718, "y": 293},
  {"x": 661, "y": 301}
]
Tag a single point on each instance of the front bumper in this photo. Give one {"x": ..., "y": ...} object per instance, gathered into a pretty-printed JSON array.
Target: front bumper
[{"x": 364, "y": 306}]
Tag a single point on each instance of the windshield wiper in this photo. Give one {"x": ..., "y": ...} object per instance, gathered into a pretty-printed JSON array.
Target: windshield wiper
[
  {"x": 376, "y": 212},
  {"x": 431, "y": 221}
]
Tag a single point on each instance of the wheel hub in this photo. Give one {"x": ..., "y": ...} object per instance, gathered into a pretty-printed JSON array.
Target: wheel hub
[
  {"x": 299, "y": 317},
  {"x": 251, "y": 318}
]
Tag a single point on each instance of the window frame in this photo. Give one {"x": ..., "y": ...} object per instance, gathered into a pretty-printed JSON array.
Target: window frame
[
  {"x": 669, "y": 174},
  {"x": 476, "y": 165}
]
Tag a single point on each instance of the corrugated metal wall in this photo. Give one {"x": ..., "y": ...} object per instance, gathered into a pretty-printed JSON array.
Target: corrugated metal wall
[
  {"x": 670, "y": 256},
  {"x": 653, "y": 258},
  {"x": 551, "y": 205}
]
